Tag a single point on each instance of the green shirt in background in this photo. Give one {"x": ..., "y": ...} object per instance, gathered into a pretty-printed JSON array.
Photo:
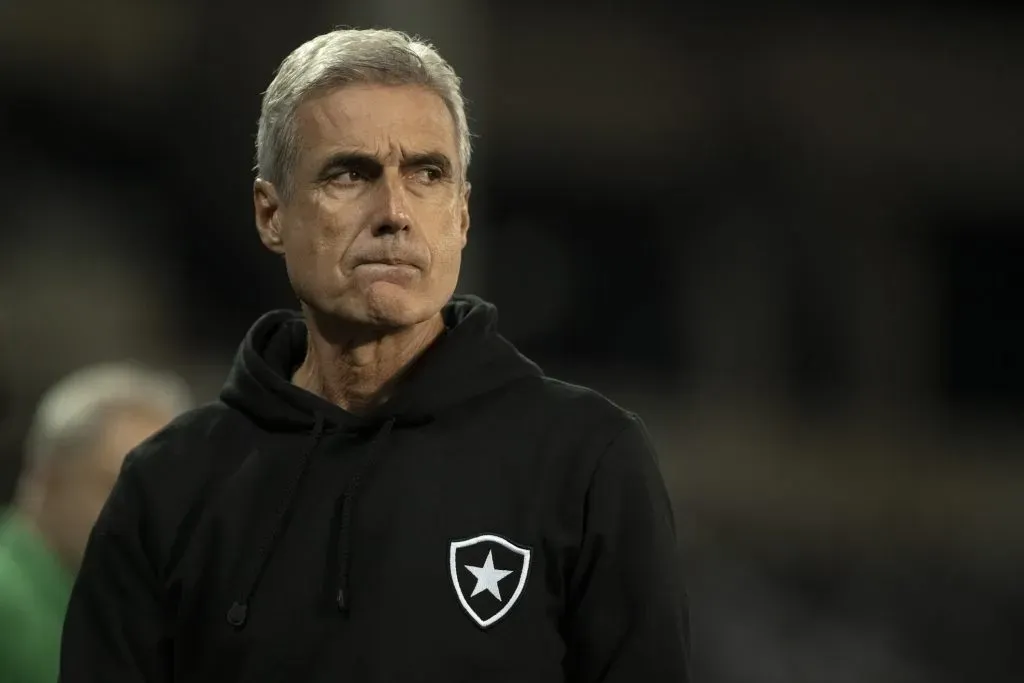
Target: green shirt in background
[{"x": 34, "y": 593}]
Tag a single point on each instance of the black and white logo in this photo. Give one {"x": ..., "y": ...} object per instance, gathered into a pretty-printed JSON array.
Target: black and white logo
[{"x": 489, "y": 574}]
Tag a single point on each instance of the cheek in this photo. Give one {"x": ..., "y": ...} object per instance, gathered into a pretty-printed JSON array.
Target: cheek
[
  {"x": 447, "y": 265},
  {"x": 316, "y": 234},
  {"x": 449, "y": 247},
  {"x": 451, "y": 239},
  {"x": 314, "y": 245}
]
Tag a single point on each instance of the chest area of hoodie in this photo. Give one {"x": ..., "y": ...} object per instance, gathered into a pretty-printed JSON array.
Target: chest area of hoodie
[{"x": 457, "y": 539}]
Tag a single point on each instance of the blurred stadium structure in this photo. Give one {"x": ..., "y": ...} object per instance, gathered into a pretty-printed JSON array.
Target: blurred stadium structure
[{"x": 792, "y": 238}]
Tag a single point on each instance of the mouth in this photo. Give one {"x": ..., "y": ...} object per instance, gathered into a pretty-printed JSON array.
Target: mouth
[
  {"x": 387, "y": 261},
  {"x": 395, "y": 271}
]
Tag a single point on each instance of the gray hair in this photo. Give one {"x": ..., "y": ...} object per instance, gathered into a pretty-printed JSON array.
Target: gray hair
[
  {"x": 73, "y": 413},
  {"x": 343, "y": 57}
]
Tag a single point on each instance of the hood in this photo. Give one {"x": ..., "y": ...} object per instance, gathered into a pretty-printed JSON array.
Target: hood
[{"x": 469, "y": 359}]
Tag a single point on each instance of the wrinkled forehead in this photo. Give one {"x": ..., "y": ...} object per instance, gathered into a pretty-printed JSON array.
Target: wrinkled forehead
[{"x": 384, "y": 121}]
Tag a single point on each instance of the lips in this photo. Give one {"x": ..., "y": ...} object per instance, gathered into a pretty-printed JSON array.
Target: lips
[{"x": 388, "y": 261}]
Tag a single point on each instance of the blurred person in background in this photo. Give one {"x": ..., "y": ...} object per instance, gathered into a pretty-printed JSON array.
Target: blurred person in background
[
  {"x": 82, "y": 430},
  {"x": 387, "y": 490}
]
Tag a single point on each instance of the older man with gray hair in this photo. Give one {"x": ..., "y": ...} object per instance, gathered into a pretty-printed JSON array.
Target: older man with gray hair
[
  {"x": 386, "y": 489},
  {"x": 82, "y": 430}
]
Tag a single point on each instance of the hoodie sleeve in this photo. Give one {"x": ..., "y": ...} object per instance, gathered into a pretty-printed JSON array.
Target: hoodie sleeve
[
  {"x": 114, "y": 628},
  {"x": 627, "y": 615}
]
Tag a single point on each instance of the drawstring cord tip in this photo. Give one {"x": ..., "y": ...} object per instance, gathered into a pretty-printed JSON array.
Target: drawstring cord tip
[
  {"x": 342, "y": 600},
  {"x": 237, "y": 614}
]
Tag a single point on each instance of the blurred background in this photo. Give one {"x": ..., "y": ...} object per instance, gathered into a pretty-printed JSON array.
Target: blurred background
[{"x": 790, "y": 237}]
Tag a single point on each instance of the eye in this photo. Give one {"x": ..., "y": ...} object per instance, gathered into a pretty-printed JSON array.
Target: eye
[
  {"x": 429, "y": 174},
  {"x": 347, "y": 177}
]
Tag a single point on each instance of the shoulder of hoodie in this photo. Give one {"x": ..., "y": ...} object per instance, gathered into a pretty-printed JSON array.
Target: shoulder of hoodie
[
  {"x": 179, "y": 456},
  {"x": 587, "y": 420}
]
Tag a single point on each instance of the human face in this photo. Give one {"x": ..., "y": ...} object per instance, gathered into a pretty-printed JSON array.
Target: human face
[
  {"x": 77, "y": 488},
  {"x": 373, "y": 229}
]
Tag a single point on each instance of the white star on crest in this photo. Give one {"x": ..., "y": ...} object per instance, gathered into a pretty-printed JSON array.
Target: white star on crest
[{"x": 487, "y": 577}]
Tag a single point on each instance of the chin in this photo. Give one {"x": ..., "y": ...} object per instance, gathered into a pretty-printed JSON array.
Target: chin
[{"x": 387, "y": 305}]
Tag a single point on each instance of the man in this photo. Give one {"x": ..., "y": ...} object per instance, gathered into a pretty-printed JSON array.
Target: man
[
  {"x": 83, "y": 427},
  {"x": 386, "y": 490}
]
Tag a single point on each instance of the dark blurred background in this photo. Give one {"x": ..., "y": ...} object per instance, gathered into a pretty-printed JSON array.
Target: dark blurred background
[{"x": 790, "y": 237}]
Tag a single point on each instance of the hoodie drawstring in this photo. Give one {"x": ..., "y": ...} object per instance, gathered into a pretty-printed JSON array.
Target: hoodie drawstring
[
  {"x": 348, "y": 502},
  {"x": 239, "y": 610}
]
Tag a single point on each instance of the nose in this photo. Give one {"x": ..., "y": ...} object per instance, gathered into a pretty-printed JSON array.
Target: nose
[{"x": 393, "y": 207}]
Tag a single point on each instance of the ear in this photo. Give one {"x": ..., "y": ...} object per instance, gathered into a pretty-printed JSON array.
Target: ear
[
  {"x": 464, "y": 212},
  {"x": 268, "y": 216}
]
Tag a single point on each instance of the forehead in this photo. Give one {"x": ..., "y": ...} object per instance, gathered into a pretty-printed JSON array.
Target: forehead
[{"x": 378, "y": 119}]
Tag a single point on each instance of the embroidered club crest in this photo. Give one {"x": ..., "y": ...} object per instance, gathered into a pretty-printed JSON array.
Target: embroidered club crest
[{"x": 489, "y": 574}]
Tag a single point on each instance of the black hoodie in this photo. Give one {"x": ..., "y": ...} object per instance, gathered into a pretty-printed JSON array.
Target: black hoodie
[{"x": 488, "y": 524}]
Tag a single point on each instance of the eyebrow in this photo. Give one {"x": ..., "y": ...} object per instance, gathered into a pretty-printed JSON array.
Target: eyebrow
[
  {"x": 370, "y": 163},
  {"x": 418, "y": 160}
]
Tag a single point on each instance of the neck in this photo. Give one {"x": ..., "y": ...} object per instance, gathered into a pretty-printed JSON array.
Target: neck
[{"x": 356, "y": 369}]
